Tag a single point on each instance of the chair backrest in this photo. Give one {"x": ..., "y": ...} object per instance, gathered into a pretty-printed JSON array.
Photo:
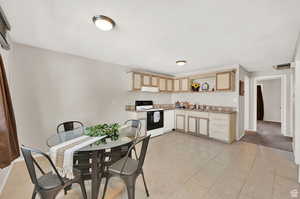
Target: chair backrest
[
  {"x": 137, "y": 125},
  {"x": 69, "y": 126},
  {"x": 143, "y": 151},
  {"x": 31, "y": 164}
]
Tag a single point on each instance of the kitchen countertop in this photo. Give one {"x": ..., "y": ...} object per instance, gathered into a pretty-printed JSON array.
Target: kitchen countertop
[{"x": 197, "y": 110}]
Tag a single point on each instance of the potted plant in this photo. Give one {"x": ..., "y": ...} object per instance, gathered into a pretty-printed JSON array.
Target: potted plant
[
  {"x": 195, "y": 87},
  {"x": 110, "y": 130}
]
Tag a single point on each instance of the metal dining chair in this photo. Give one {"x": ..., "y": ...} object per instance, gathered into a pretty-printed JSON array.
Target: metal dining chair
[
  {"x": 69, "y": 126},
  {"x": 129, "y": 169},
  {"x": 137, "y": 124},
  {"x": 49, "y": 184}
]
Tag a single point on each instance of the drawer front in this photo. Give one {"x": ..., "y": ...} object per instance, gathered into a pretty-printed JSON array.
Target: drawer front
[
  {"x": 199, "y": 114},
  {"x": 219, "y": 116},
  {"x": 220, "y": 123},
  {"x": 220, "y": 135},
  {"x": 182, "y": 112}
]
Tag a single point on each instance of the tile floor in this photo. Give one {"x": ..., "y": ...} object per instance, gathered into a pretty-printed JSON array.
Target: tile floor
[{"x": 180, "y": 166}]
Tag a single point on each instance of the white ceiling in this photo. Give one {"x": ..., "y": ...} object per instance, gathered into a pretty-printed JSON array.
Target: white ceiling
[{"x": 154, "y": 34}]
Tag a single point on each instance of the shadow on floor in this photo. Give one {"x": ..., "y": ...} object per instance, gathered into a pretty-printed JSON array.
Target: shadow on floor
[{"x": 269, "y": 134}]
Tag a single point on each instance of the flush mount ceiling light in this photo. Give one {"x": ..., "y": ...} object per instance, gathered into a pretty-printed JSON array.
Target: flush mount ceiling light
[
  {"x": 103, "y": 22},
  {"x": 181, "y": 62}
]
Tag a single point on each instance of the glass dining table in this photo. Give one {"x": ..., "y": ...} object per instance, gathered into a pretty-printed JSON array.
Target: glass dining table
[{"x": 93, "y": 159}]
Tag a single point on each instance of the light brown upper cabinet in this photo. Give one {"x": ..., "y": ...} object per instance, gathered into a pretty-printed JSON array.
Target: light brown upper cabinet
[
  {"x": 225, "y": 81},
  {"x": 154, "y": 81},
  {"x": 184, "y": 84},
  {"x": 176, "y": 85},
  {"x": 146, "y": 80},
  {"x": 136, "y": 81},
  {"x": 169, "y": 84},
  {"x": 162, "y": 84},
  {"x": 181, "y": 85}
]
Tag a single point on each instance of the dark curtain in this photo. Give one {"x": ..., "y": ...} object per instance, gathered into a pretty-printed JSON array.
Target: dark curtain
[
  {"x": 260, "y": 104},
  {"x": 9, "y": 146}
]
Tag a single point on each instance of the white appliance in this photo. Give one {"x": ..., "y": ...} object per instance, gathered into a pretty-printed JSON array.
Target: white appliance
[{"x": 150, "y": 89}]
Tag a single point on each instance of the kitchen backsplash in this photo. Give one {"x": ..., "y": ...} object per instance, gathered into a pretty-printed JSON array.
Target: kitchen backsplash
[
  {"x": 229, "y": 99},
  {"x": 213, "y": 99}
]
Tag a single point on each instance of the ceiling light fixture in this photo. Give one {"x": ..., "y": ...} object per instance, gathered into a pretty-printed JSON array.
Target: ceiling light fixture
[
  {"x": 181, "y": 62},
  {"x": 103, "y": 22}
]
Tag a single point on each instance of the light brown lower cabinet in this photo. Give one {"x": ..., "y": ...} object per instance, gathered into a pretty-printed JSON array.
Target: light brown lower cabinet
[
  {"x": 180, "y": 122},
  {"x": 222, "y": 127},
  {"x": 198, "y": 125}
]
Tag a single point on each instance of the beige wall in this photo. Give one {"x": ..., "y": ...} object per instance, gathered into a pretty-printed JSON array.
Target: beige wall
[{"x": 50, "y": 87}]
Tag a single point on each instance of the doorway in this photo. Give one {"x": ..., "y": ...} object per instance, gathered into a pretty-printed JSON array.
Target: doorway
[{"x": 269, "y": 113}]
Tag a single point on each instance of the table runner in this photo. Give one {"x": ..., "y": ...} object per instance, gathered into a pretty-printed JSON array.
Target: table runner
[{"x": 62, "y": 154}]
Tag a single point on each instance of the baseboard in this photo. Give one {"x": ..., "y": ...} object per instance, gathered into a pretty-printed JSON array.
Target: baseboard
[
  {"x": 250, "y": 130},
  {"x": 274, "y": 122}
]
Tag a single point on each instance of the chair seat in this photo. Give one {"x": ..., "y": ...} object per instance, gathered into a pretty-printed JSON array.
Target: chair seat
[
  {"x": 130, "y": 167},
  {"x": 51, "y": 180}
]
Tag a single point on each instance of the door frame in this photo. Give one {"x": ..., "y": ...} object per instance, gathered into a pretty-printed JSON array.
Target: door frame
[{"x": 283, "y": 101}]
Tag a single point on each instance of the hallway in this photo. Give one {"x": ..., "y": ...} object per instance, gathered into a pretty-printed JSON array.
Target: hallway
[{"x": 268, "y": 134}]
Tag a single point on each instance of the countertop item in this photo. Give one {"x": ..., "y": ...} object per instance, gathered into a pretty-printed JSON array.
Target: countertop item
[{"x": 208, "y": 111}]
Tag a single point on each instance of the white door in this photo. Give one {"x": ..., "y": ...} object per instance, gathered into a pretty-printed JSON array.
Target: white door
[
  {"x": 203, "y": 126},
  {"x": 180, "y": 122},
  {"x": 169, "y": 124},
  {"x": 192, "y": 124}
]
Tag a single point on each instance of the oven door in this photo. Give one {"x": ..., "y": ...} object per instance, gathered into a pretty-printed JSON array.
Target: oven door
[{"x": 155, "y": 120}]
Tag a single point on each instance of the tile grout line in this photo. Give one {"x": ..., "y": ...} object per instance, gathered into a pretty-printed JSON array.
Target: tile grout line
[
  {"x": 248, "y": 175},
  {"x": 274, "y": 176}
]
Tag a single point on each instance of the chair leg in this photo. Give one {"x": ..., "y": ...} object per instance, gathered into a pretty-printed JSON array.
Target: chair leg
[
  {"x": 83, "y": 190},
  {"x": 34, "y": 193},
  {"x": 48, "y": 194},
  {"x": 130, "y": 186},
  {"x": 105, "y": 186},
  {"x": 145, "y": 185},
  {"x": 68, "y": 188},
  {"x": 131, "y": 191}
]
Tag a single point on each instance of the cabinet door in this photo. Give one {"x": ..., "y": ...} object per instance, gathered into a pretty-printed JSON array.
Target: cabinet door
[
  {"x": 180, "y": 122},
  {"x": 223, "y": 81},
  {"x": 184, "y": 84},
  {"x": 176, "y": 85},
  {"x": 169, "y": 85},
  {"x": 137, "y": 80},
  {"x": 162, "y": 84},
  {"x": 203, "y": 126},
  {"x": 154, "y": 81},
  {"x": 192, "y": 124},
  {"x": 169, "y": 124},
  {"x": 146, "y": 80}
]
